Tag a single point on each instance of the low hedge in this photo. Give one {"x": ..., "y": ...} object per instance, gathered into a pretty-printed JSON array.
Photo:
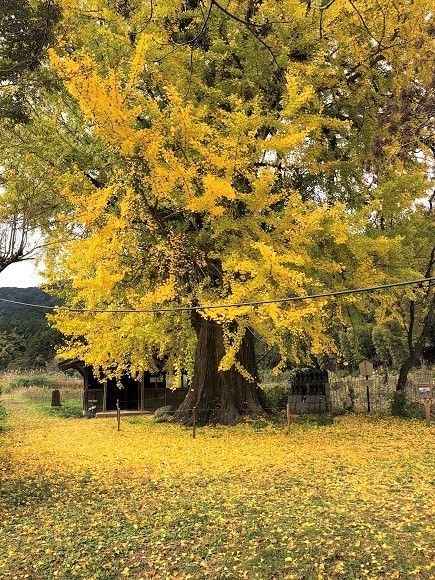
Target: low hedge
[{"x": 30, "y": 381}]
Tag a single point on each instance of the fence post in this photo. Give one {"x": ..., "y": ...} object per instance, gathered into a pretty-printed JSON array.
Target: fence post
[
  {"x": 118, "y": 414},
  {"x": 194, "y": 422},
  {"x": 288, "y": 417},
  {"x": 368, "y": 393}
]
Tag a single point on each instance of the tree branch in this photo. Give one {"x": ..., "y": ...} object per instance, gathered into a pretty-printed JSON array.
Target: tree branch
[{"x": 250, "y": 26}]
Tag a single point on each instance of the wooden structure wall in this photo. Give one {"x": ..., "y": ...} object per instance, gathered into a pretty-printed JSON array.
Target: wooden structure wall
[{"x": 146, "y": 394}]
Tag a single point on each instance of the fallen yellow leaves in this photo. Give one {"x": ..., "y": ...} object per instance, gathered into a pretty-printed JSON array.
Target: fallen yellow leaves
[{"x": 352, "y": 500}]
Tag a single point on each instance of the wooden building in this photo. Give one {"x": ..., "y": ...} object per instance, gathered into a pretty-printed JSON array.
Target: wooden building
[{"x": 147, "y": 393}]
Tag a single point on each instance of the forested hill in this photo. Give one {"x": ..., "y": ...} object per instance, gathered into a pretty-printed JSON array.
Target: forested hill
[
  {"x": 29, "y": 295},
  {"x": 26, "y": 338}
]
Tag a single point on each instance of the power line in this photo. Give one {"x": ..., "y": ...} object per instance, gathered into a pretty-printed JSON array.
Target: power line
[{"x": 216, "y": 306}]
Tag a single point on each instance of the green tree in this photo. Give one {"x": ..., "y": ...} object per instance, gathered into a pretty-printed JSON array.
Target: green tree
[
  {"x": 356, "y": 344},
  {"x": 27, "y": 29},
  {"x": 11, "y": 347},
  {"x": 26, "y": 338}
]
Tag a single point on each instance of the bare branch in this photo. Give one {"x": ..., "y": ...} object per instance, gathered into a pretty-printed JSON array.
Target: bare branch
[
  {"x": 363, "y": 22},
  {"x": 188, "y": 42},
  {"x": 250, "y": 26}
]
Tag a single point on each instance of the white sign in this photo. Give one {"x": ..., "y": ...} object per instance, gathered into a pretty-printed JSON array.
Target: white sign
[
  {"x": 366, "y": 368},
  {"x": 424, "y": 392}
]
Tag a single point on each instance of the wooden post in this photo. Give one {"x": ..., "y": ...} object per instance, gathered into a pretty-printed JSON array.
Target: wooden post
[
  {"x": 427, "y": 406},
  {"x": 366, "y": 370},
  {"x": 105, "y": 396},
  {"x": 85, "y": 393},
  {"x": 194, "y": 422},
  {"x": 118, "y": 414},
  {"x": 288, "y": 417},
  {"x": 368, "y": 393},
  {"x": 142, "y": 391}
]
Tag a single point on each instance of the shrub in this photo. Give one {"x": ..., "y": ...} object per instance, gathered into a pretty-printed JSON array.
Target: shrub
[
  {"x": 401, "y": 406},
  {"x": 276, "y": 397},
  {"x": 30, "y": 381}
]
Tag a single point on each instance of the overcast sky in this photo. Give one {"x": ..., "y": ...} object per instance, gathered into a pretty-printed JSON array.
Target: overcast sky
[{"x": 20, "y": 275}]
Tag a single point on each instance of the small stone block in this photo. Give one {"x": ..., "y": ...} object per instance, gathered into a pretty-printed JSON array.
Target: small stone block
[
  {"x": 164, "y": 411},
  {"x": 55, "y": 399}
]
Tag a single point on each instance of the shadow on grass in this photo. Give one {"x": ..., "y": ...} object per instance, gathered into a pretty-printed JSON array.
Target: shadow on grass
[{"x": 66, "y": 412}]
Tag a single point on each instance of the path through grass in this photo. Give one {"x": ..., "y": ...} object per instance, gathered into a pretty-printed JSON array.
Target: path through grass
[{"x": 351, "y": 500}]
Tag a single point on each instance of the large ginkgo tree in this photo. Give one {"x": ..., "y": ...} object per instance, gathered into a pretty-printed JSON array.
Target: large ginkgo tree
[{"x": 244, "y": 151}]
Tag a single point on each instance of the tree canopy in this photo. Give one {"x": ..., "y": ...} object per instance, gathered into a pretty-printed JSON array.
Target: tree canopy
[{"x": 26, "y": 199}]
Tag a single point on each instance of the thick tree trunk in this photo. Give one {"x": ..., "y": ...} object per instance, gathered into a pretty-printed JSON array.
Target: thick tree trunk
[
  {"x": 404, "y": 370},
  {"x": 219, "y": 396}
]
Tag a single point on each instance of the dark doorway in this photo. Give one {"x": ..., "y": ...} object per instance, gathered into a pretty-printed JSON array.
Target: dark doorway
[{"x": 128, "y": 395}]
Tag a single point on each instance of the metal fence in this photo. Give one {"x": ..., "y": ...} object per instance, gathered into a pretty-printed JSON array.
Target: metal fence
[{"x": 350, "y": 393}]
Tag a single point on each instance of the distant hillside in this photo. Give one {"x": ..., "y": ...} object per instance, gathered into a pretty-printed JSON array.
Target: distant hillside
[
  {"x": 26, "y": 338},
  {"x": 29, "y": 295}
]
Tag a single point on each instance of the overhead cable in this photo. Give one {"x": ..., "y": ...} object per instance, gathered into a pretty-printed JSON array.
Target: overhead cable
[{"x": 220, "y": 306}]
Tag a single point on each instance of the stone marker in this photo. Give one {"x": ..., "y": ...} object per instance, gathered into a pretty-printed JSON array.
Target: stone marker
[
  {"x": 55, "y": 399},
  {"x": 161, "y": 411}
]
